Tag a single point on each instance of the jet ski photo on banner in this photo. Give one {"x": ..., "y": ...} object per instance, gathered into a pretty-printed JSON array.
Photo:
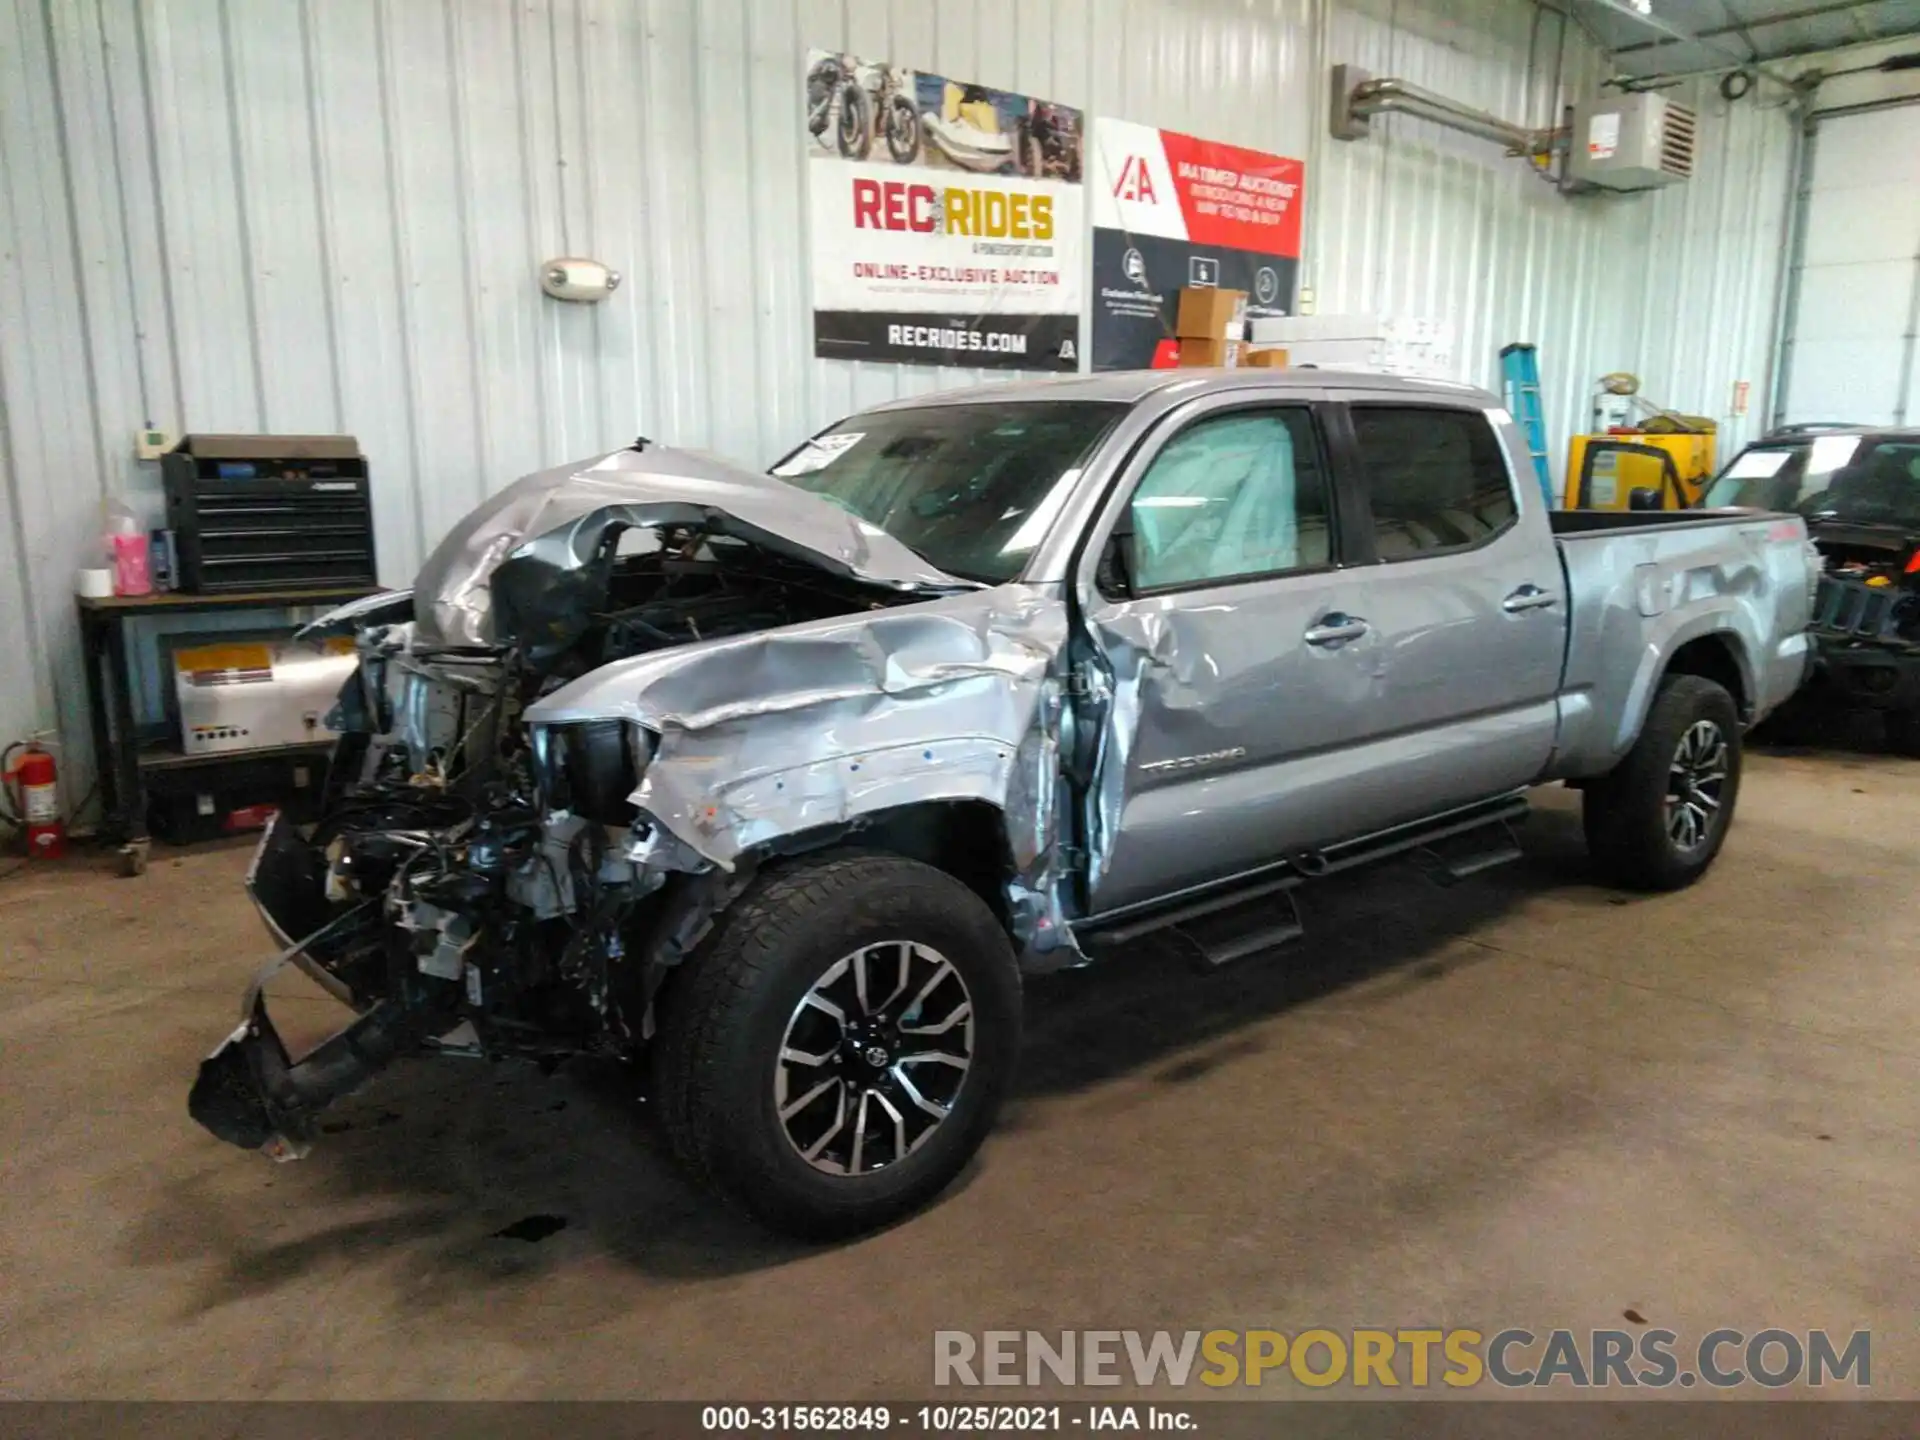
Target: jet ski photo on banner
[
  {"x": 946, "y": 218},
  {"x": 1170, "y": 211}
]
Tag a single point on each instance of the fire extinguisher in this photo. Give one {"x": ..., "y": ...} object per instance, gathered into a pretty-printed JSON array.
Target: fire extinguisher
[{"x": 36, "y": 799}]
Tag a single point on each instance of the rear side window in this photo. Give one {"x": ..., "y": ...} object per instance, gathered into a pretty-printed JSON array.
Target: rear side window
[{"x": 1436, "y": 479}]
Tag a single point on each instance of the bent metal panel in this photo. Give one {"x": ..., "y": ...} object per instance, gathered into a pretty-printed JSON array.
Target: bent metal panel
[{"x": 947, "y": 219}]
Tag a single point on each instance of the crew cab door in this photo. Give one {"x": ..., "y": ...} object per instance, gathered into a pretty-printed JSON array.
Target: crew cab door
[
  {"x": 1469, "y": 602},
  {"x": 1233, "y": 639}
]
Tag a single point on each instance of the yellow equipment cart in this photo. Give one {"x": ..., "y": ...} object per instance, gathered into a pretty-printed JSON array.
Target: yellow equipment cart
[{"x": 1663, "y": 462}]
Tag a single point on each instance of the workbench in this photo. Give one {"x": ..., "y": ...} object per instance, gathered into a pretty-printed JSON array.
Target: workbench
[{"x": 121, "y": 757}]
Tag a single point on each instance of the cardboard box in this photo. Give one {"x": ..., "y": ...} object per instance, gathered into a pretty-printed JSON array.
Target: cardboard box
[
  {"x": 1272, "y": 358},
  {"x": 1209, "y": 313},
  {"x": 1198, "y": 350}
]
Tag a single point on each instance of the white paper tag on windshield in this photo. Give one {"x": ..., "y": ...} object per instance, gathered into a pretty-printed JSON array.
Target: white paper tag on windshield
[
  {"x": 1758, "y": 464},
  {"x": 819, "y": 453}
]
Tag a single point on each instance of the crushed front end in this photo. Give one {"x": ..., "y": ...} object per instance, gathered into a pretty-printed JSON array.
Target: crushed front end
[
  {"x": 444, "y": 895},
  {"x": 487, "y": 885},
  {"x": 616, "y": 691}
]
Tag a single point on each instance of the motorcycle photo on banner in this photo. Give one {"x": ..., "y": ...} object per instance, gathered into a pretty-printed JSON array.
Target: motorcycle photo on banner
[
  {"x": 1171, "y": 211},
  {"x": 946, "y": 219}
]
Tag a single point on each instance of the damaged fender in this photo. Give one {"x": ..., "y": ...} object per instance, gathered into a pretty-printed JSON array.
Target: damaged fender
[{"x": 768, "y": 735}]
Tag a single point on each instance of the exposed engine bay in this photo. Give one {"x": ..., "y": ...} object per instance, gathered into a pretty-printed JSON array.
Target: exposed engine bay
[
  {"x": 482, "y": 878},
  {"x": 446, "y": 817}
]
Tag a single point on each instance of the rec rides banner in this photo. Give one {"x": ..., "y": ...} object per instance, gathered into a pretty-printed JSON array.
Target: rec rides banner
[
  {"x": 1171, "y": 211},
  {"x": 946, "y": 217}
]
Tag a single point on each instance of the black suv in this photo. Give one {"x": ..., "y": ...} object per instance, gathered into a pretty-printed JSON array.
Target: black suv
[{"x": 1859, "y": 489}]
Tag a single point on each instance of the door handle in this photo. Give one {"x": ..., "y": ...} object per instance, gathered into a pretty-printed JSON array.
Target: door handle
[
  {"x": 1336, "y": 629},
  {"x": 1528, "y": 597}
]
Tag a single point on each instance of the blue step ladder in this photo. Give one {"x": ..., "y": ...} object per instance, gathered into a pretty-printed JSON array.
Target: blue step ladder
[{"x": 1520, "y": 378}]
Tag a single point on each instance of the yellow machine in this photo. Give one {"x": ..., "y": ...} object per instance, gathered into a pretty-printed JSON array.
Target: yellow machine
[{"x": 1660, "y": 462}]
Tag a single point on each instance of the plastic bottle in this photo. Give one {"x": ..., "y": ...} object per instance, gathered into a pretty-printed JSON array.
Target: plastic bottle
[{"x": 126, "y": 546}]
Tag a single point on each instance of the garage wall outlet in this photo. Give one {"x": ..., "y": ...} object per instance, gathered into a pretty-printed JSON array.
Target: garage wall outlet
[{"x": 152, "y": 444}]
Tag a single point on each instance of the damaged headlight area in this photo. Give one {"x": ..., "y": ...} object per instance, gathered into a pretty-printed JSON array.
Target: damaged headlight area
[{"x": 591, "y": 768}]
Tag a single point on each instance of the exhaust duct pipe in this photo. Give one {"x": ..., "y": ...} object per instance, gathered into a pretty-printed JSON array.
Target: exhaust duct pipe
[{"x": 1358, "y": 96}]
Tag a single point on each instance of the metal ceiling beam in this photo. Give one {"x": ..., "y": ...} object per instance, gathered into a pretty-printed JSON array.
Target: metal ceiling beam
[
  {"x": 1740, "y": 28},
  {"x": 1674, "y": 35},
  {"x": 1570, "y": 10},
  {"x": 1758, "y": 22},
  {"x": 1799, "y": 82}
]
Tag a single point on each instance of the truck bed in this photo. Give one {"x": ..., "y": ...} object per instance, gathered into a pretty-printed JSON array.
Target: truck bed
[{"x": 1643, "y": 584}]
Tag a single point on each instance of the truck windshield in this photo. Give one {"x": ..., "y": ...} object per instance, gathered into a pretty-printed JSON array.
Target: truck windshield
[
  {"x": 1852, "y": 479},
  {"x": 970, "y": 488}
]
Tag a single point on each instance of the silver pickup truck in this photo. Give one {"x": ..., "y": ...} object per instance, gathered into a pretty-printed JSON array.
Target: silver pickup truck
[{"x": 776, "y": 783}]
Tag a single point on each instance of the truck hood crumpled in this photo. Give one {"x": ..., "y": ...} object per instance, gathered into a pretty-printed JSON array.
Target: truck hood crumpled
[{"x": 562, "y": 515}]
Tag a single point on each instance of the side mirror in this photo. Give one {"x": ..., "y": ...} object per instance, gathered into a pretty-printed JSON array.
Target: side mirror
[
  {"x": 1114, "y": 575},
  {"x": 1643, "y": 497}
]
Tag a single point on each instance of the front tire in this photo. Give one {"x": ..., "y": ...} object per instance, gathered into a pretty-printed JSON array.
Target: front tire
[
  {"x": 903, "y": 131},
  {"x": 836, "y": 1052},
  {"x": 855, "y": 135},
  {"x": 1658, "y": 819}
]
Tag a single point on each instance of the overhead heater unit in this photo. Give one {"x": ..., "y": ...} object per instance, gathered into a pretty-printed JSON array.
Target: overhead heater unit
[{"x": 1632, "y": 142}]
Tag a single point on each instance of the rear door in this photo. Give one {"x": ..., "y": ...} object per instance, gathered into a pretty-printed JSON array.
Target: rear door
[
  {"x": 1236, "y": 644},
  {"x": 1469, "y": 603}
]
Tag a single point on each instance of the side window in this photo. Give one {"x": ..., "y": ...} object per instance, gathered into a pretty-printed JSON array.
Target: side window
[
  {"x": 1437, "y": 479},
  {"x": 1241, "y": 494}
]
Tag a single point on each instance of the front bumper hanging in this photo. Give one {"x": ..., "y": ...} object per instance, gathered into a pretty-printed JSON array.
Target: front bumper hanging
[{"x": 250, "y": 1092}]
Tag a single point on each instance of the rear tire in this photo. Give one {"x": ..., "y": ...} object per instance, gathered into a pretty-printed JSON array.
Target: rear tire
[
  {"x": 1658, "y": 819},
  {"x": 1903, "y": 732},
  {"x": 927, "y": 993}
]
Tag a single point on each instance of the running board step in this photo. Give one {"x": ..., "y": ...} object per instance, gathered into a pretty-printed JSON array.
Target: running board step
[
  {"x": 1253, "y": 912},
  {"x": 1245, "y": 930},
  {"x": 1453, "y": 860},
  {"x": 1251, "y": 927}
]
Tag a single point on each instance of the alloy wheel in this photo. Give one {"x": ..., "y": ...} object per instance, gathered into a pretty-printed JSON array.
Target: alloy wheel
[
  {"x": 1696, "y": 781},
  {"x": 874, "y": 1057}
]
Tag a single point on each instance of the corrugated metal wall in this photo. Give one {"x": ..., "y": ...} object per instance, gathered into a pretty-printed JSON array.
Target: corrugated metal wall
[
  {"x": 326, "y": 215},
  {"x": 1677, "y": 286}
]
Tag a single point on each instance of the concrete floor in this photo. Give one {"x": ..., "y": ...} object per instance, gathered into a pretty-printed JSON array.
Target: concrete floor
[{"x": 1521, "y": 1101}]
